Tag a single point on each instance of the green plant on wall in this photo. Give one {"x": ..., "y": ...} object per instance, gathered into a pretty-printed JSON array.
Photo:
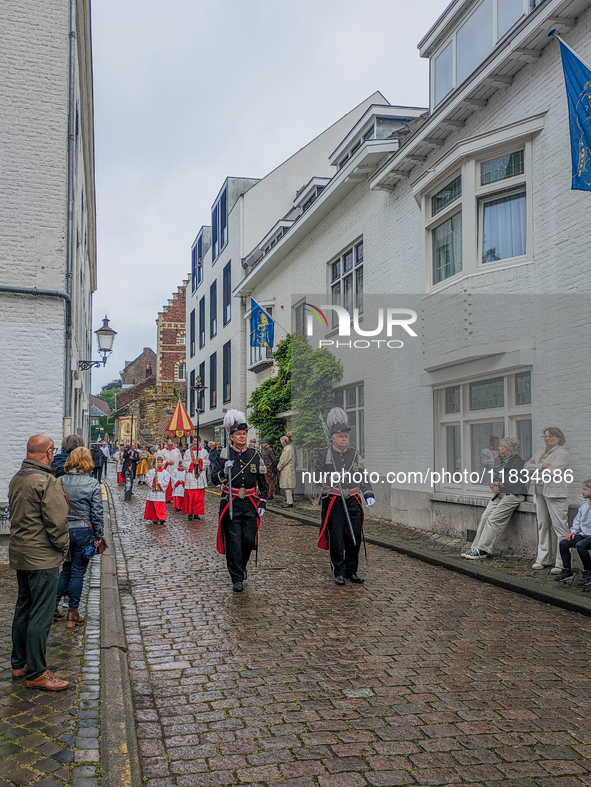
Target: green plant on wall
[{"x": 272, "y": 397}]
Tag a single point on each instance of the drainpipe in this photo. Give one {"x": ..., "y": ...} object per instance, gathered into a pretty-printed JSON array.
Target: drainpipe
[
  {"x": 47, "y": 293},
  {"x": 70, "y": 208}
]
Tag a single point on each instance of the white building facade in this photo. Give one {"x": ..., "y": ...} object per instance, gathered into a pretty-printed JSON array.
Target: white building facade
[
  {"x": 469, "y": 219},
  {"x": 47, "y": 223},
  {"x": 248, "y": 216}
]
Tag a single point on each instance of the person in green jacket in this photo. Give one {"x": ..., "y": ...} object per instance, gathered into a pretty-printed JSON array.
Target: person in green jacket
[{"x": 39, "y": 542}]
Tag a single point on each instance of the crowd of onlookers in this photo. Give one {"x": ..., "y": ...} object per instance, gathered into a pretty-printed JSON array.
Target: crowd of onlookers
[{"x": 545, "y": 476}]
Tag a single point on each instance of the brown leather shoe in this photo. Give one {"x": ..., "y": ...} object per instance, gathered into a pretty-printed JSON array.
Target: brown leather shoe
[
  {"x": 57, "y": 615},
  {"x": 74, "y": 618},
  {"x": 48, "y": 681},
  {"x": 19, "y": 673}
]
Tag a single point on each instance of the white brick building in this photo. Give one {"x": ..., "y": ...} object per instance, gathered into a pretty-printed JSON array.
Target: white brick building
[
  {"x": 468, "y": 219},
  {"x": 47, "y": 222},
  {"x": 248, "y": 216}
]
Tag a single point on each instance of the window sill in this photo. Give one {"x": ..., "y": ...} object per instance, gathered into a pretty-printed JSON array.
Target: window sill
[
  {"x": 261, "y": 365},
  {"x": 475, "y": 498},
  {"x": 482, "y": 269}
]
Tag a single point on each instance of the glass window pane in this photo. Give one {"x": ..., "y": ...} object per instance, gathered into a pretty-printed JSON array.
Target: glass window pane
[
  {"x": 508, "y": 12},
  {"x": 336, "y": 299},
  {"x": 338, "y": 398},
  {"x": 504, "y": 228},
  {"x": 487, "y": 393},
  {"x": 474, "y": 40},
  {"x": 351, "y": 397},
  {"x": 361, "y": 395},
  {"x": 348, "y": 294},
  {"x": 442, "y": 73},
  {"x": 525, "y": 438},
  {"x": 523, "y": 388},
  {"x": 447, "y": 248},
  {"x": 348, "y": 261},
  {"x": 353, "y": 424},
  {"x": 359, "y": 289},
  {"x": 447, "y": 195},
  {"x": 336, "y": 270},
  {"x": 453, "y": 449},
  {"x": 452, "y": 399},
  {"x": 501, "y": 167},
  {"x": 484, "y": 447},
  {"x": 359, "y": 253},
  {"x": 361, "y": 446}
]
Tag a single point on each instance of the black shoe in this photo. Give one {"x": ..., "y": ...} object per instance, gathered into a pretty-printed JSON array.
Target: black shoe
[
  {"x": 585, "y": 580},
  {"x": 190, "y": 517},
  {"x": 566, "y": 573},
  {"x": 237, "y": 587},
  {"x": 245, "y": 577},
  {"x": 340, "y": 579},
  {"x": 357, "y": 580},
  {"x": 287, "y": 505}
]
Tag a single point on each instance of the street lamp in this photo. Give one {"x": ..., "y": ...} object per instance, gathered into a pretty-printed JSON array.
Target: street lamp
[
  {"x": 105, "y": 336},
  {"x": 199, "y": 388}
]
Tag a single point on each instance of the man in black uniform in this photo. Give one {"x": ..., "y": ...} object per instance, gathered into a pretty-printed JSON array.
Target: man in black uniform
[
  {"x": 237, "y": 535},
  {"x": 334, "y": 531}
]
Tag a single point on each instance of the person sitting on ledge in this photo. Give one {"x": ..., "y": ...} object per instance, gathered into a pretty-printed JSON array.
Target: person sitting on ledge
[
  {"x": 579, "y": 538},
  {"x": 509, "y": 492}
]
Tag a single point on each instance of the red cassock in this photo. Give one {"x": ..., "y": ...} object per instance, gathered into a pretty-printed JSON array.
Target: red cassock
[
  {"x": 194, "y": 502},
  {"x": 120, "y": 479},
  {"x": 155, "y": 511}
]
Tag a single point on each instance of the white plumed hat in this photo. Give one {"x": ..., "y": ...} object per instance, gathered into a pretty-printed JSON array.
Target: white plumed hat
[
  {"x": 337, "y": 420},
  {"x": 235, "y": 420}
]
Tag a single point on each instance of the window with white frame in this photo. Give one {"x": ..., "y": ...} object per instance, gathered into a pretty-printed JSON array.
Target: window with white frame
[
  {"x": 181, "y": 371},
  {"x": 472, "y": 417},
  {"x": 346, "y": 280},
  {"x": 182, "y": 338},
  {"x": 480, "y": 215},
  {"x": 471, "y": 42},
  {"x": 352, "y": 400}
]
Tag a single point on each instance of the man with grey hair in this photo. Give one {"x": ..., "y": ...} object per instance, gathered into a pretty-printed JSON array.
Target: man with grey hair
[{"x": 510, "y": 488}]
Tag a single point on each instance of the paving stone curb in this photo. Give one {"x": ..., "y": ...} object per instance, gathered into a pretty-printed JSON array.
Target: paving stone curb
[
  {"x": 579, "y": 602},
  {"x": 119, "y": 753}
]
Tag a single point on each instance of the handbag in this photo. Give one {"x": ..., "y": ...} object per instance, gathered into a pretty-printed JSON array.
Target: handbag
[{"x": 99, "y": 544}]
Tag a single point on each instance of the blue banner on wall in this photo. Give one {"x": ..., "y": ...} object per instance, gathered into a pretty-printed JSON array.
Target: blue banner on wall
[
  {"x": 262, "y": 326},
  {"x": 577, "y": 78}
]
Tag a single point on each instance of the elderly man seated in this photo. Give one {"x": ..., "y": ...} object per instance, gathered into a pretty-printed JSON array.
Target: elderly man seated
[{"x": 509, "y": 491}]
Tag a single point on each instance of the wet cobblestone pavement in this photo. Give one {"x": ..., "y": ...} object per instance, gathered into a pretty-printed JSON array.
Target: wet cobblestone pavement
[
  {"x": 503, "y": 567},
  {"x": 51, "y": 739},
  {"x": 419, "y": 677}
]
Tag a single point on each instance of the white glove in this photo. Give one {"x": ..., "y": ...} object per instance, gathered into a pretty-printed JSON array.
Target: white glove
[
  {"x": 229, "y": 464},
  {"x": 261, "y": 511},
  {"x": 370, "y": 501}
]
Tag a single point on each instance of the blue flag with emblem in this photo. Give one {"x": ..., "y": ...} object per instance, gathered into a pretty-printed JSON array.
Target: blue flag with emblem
[
  {"x": 262, "y": 326},
  {"x": 577, "y": 78}
]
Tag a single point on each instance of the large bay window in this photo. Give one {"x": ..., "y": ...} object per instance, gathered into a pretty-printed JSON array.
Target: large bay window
[
  {"x": 473, "y": 416},
  {"x": 480, "y": 215}
]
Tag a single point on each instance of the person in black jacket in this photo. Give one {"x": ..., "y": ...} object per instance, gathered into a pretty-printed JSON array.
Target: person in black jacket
[
  {"x": 97, "y": 458},
  {"x": 238, "y": 534},
  {"x": 335, "y": 534},
  {"x": 68, "y": 444},
  {"x": 510, "y": 489}
]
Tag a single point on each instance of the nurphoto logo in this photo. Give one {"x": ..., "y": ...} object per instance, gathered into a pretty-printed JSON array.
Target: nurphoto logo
[{"x": 387, "y": 321}]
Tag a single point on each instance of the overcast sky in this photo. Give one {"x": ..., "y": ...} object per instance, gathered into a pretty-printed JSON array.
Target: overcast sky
[{"x": 188, "y": 92}]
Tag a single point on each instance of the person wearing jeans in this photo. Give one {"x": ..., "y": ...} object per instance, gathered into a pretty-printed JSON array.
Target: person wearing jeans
[
  {"x": 85, "y": 520},
  {"x": 579, "y": 538}
]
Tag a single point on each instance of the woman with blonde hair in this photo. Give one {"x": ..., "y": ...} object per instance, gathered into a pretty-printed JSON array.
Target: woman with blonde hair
[
  {"x": 547, "y": 470},
  {"x": 85, "y": 520}
]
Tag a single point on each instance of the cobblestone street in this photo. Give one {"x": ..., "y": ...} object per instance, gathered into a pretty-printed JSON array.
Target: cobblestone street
[{"x": 421, "y": 676}]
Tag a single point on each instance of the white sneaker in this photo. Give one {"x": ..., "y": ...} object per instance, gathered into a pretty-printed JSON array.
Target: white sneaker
[
  {"x": 538, "y": 566},
  {"x": 556, "y": 570},
  {"x": 475, "y": 554}
]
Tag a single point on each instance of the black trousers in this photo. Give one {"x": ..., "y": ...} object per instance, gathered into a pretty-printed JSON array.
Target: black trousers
[
  {"x": 33, "y": 615},
  {"x": 344, "y": 554},
  {"x": 240, "y": 534},
  {"x": 582, "y": 544},
  {"x": 98, "y": 473}
]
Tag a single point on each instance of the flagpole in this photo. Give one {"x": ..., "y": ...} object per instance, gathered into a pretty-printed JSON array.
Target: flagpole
[{"x": 553, "y": 33}]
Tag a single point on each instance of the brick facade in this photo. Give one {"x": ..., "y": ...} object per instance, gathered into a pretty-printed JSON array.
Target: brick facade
[
  {"x": 139, "y": 369},
  {"x": 171, "y": 325}
]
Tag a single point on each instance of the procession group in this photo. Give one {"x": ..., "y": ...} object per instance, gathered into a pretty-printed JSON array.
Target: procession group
[{"x": 242, "y": 474}]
